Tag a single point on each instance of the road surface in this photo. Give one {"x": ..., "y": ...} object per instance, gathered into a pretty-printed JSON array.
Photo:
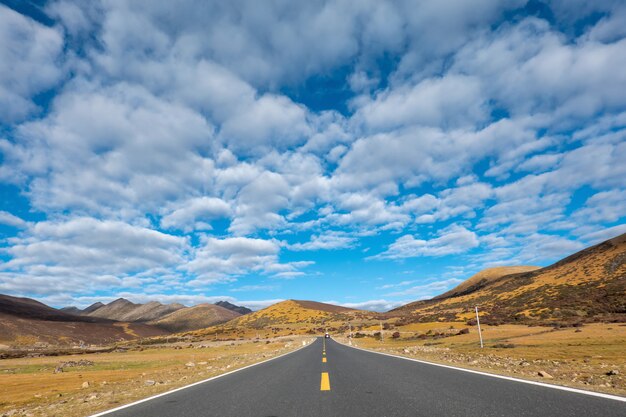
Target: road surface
[{"x": 356, "y": 383}]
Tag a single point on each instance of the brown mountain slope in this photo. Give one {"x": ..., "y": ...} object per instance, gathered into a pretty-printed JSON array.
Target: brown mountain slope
[
  {"x": 197, "y": 317},
  {"x": 92, "y": 308},
  {"x": 115, "y": 310},
  {"x": 24, "y": 321},
  {"x": 151, "y": 311},
  {"x": 28, "y": 308},
  {"x": 483, "y": 278},
  {"x": 589, "y": 285}
]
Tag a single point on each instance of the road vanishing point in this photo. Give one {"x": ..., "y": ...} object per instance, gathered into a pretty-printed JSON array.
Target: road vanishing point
[{"x": 328, "y": 379}]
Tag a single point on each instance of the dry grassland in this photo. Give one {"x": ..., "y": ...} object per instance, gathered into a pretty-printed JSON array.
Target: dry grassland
[
  {"x": 30, "y": 386},
  {"x": 591, "y": 357}
]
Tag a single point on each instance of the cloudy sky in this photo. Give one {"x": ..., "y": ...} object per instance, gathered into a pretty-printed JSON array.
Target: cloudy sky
[{"x": 365, "y": 153}]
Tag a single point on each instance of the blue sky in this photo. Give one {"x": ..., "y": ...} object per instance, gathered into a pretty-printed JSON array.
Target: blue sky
[{"x": 364, "y": 154}]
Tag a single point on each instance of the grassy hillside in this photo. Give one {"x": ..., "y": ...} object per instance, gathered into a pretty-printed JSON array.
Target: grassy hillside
[
  {"x": 293, "y": 317},
  {"x": 587, "y": 286},
  {"x": 483, "y": 278}
]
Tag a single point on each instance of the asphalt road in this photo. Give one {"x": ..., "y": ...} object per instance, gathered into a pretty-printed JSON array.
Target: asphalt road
[{"x": 361, "y": 384}]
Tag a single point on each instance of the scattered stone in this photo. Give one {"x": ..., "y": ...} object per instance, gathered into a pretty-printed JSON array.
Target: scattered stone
[
  {"x": 85, "y": 384},
  {"x": 190, "y": 364},
  {"x": 202, "y": 363},
  {"x": 149, "y": 382},
  {"x": 58, "y": 370},
  {"x": 613, "y": 372},
  {"x": 544, "y": 374},
  {"x": 72, "y": 364}
]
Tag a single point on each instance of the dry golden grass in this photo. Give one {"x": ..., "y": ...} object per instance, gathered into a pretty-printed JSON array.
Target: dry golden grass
[
  {"x": 488, "y": 275},
  {"x": 577, "y": 357},
  {"x": 30, "y": 385}
]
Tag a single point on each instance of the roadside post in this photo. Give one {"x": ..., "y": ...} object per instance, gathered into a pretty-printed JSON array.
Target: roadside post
[{"x": 480, "y": 334}]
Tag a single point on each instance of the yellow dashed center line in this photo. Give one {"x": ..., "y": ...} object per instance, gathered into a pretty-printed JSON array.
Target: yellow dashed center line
[
  {"x": 324, "y": 360},
  {"x": 325, "y": 384}
]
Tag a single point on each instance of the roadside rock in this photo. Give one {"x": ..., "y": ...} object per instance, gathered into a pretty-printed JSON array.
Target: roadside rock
[
  {"x": 613, "y": 372},
  {"x": 85, "y": 384},
  {"x": 544, "y": 374},
  {"x": 149, "y": 382},
  {"x": 190, "y": 364}
]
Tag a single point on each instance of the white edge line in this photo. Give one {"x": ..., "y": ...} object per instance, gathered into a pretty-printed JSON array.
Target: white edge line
[
  {"x": 509, "y": 378},
  {"x": 163, "y": 394}
]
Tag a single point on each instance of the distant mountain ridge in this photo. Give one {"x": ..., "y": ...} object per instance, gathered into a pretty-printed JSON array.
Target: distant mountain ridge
[
  {"x": 162, "y": 315},
  {"x": 196, "y": 317},
  {"x": 24, "y": 319},
  {"x": 239, "y": 309}
]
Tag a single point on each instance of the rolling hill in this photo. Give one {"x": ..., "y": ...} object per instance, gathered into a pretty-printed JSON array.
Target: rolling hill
[
  {"x": 293, "y": 317},
  {"x": 25, "y": 321},
  {"x": 589, "y": 285}
]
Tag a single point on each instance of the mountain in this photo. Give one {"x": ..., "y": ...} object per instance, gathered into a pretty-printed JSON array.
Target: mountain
[
  {"x": 589, "y": 285},
  {"x": 25, "y": 321},
  {"x": 71, "y": 310},
  {"x": 161, "y": 315},
  {"x": 193, "y": 318},
  {"x": 28, "y": 308},
  {"x": 150, "y": 311},
  {"x": 115, "y": 310},
  {"x": 92, "y": 308},
  {"x": 239, "y": 309}
]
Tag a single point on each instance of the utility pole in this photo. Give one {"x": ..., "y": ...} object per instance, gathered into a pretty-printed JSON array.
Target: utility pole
[
  {"x": 382, "y": 339},
  {"x": 480, "y": 334}
]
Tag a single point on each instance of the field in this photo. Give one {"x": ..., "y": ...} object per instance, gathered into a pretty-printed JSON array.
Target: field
[
  {"x": 589, "y": 357},
  {"x": 94, "y": 382}
]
